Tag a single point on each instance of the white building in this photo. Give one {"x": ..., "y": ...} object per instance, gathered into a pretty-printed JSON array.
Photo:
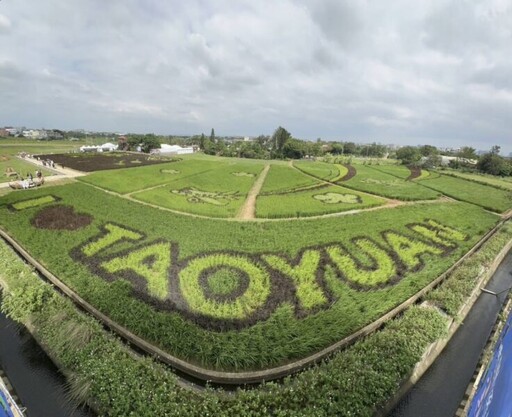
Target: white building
[{"x": 173, "y": 150}]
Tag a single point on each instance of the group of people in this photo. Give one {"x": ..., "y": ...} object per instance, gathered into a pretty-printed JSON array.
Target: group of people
[
  {"x": 28, "y": 182},
  {"x": 48, "y": 163}
]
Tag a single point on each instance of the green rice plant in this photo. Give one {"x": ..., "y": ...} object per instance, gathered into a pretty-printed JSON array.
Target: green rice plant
[
  {"x": 115, "y": 234},
  {"x": 151, "y": 262},
  {"x": 34, "y": 202},
  {"x": 257, "y": 292},
  {"x": 223, "y": 282},
  {"x": 325, "y": 200},
  {"x": 284, "y": 178},
  {"x": 373, "y": 180},
  {"x": 399, "y": 171},
  {"x": 504, "y": 183},
  {"x": 304, "y": 275},
  {"x": 382, "y": 267},
  {"x": 130, "y": 180},
  {"x": 438, "y": 233},
  {"x": 322, "y": 170},
  {"x": 409, "y": 250},
  {"x": 485, "y": 196},
  {"x": 276, "y": 334},
  {"x": 217, "y": 193}
]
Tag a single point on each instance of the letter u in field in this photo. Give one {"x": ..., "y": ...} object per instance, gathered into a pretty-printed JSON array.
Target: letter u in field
[{"x": 381, "y": 270}]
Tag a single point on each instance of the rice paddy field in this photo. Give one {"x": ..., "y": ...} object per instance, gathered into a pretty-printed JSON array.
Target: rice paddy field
[
  {"x": 389, "y": 181},
  {"x": 164, "y": 250}
]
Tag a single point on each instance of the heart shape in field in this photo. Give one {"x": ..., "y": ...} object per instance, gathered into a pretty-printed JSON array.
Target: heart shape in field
[{"x": 60, "y": 217}]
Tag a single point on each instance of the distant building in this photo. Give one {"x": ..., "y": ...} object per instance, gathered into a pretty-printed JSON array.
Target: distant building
[
  {"x": 34, "y": 134},
  {"x": 106, "y": 147},
  {"x": 172, "y": 150},
  {"x": 445, "y": 160},
  {"x": 4, "y": 133}
]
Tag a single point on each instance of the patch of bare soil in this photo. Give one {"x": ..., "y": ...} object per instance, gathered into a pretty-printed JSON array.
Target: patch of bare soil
[
  {"x": 61, "y": 218},
  {"x": 350, "y": 174},
  {"x": 90, "y": 162},
  {"x": 415, "y": 173}
]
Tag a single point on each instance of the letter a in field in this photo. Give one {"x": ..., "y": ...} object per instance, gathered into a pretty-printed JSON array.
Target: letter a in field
[
  {"x": 303, "y": 274},
  {"x": 151, "y": 263},
  {"x": 438, "y": 233},
  {"x": 409, "y": 250}
]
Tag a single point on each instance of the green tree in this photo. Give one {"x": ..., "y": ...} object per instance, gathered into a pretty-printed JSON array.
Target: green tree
[
  {"x": 212, "y": 136},
  {"x": 492, "y": 163},
  {"x": 495, "y": 150},
  {"x": 202, "y": 142},
  {"x": 294, "y": 149},
  {"x": 428, "y": 150},
  {"x": 279, "y": 139},
  {"x": 409, "y": 155},
  {"x": 467, "y": 152},
  {"x": 349, "y": 148}
]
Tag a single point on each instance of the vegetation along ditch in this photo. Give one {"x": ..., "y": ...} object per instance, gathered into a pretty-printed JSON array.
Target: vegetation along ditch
[{"x": 352, "y": 382}]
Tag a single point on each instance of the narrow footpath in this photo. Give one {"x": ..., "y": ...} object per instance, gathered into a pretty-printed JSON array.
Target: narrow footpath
[{"x": 248, "y": 210}]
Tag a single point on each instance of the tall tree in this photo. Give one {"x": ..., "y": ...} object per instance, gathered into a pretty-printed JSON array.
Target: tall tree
[
  {"x": 279, "y": 139},
  {"x": 202, "y": 142},
  {"x": 212, "y": 136},
  {"x": 428, "y": 150},
  {"x": 467, "y": 152},
  {"x": 408, "y": 155},
  {"x": 495, "y": 150}
]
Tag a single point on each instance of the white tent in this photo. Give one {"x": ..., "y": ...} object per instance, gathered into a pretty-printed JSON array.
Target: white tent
[{"x": 174, "y": 149}]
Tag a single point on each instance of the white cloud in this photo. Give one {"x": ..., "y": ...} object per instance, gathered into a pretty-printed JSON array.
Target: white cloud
[
  {"x": 5, "y": 24},
  {"x": 396, "y": 72}
]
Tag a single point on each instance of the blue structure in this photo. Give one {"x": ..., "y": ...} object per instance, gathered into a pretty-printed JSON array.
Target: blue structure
[{"x": 493, "y": 397}]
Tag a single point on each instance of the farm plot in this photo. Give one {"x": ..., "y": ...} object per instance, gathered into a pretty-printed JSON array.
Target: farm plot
[
  {"x": 322, "y": 170},
  {"x": 498, "y": 182},
  {"x": 400, "y": 171},
  {"x": 283, "y": 178},
  {"x": 485, "y": 196},
  {"x": 376, "y": 181},
  {"x": 232, "y": 295},
  {"x": 90, "y": 162},
  {"x": 219, "y": 192},
  {"x": 125, "y": 181},
  {"x": 321, "y": 200}
]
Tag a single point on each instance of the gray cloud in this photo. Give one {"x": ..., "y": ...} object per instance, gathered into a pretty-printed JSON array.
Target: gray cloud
[{"x": 405, "y": 72}]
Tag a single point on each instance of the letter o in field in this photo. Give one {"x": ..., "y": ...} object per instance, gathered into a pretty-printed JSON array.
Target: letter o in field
[{"x": 243, "y": 306}]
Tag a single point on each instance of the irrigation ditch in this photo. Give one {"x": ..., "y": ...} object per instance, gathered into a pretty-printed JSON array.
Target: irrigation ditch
[{"x": 231, "y": 380}]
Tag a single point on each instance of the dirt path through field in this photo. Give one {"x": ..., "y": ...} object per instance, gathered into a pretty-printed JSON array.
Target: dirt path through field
[{"x": 248, "y": 210}]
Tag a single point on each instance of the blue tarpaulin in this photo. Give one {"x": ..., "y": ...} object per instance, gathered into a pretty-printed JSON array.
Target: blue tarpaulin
[
  {"x": 5, "y": 405},
  {"x": 493, "y": 397}
]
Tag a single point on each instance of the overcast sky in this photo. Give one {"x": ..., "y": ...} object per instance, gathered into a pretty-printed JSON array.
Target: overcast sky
[{"x": 401, "y": 71}]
